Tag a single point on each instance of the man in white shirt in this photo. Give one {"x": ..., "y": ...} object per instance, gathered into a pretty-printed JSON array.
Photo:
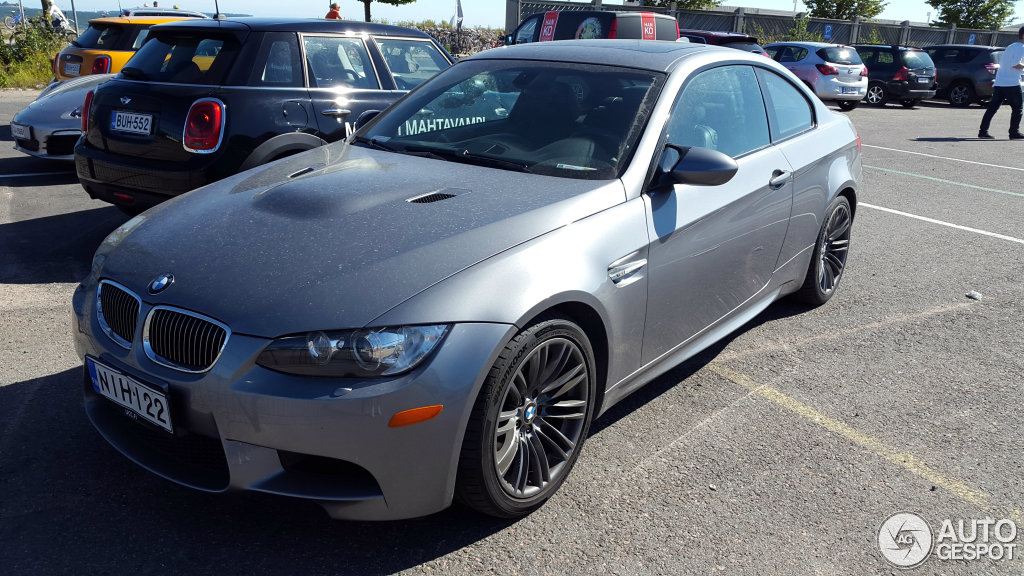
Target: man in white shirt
[{"x": 1007, "y": 87}]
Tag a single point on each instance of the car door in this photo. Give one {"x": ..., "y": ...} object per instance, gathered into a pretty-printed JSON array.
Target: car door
[
  {"x": 344, "y": 82},
  {"x": 714, "y": 247},
  {"x": 281, "y": 103}
]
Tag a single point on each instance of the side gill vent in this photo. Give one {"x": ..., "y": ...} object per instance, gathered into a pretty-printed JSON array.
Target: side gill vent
[{"x": 436, "y": 196}]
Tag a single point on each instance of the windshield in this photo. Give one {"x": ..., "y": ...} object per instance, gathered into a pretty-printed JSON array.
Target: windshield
[{"x": 575, "y": 121}]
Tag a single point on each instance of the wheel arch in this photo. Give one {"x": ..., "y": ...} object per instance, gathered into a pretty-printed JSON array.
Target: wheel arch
[{"x": 280, "y": 146}]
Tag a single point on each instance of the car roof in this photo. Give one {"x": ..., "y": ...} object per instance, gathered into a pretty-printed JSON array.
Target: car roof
[
  {"x": 890, "y": 46},
  {"x": 655, "y": 55},
  {"x": 142, "y": 19},
  {"x": 299, "y": 25},
  {"x": 616, "y": 13},
  {"x": 975, "y": 46},
  {"x": 716, "y": 34},
  {"x": 808, "y": 44}
]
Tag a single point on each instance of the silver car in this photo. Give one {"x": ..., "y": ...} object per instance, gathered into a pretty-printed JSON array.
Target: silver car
[
  {"x": 832, "y": 71},
  {"x": 50, "y": 126},
  {"x": 440, "y": 306}
]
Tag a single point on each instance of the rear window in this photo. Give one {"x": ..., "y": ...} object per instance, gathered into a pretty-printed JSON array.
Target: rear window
[
  {"x": 839, "y": 55},
  {"x": 184, "y": 58},
  {"x": 100, "y": 36},
  {"x": 994, "y": 56},
  {"x": 917, "y": 59}
]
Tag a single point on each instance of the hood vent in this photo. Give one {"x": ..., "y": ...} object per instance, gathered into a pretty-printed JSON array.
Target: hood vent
[{"x": 436, "y": 196}]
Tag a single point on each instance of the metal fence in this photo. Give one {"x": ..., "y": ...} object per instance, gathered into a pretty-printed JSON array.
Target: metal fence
[{"x": 771, "y": 26}]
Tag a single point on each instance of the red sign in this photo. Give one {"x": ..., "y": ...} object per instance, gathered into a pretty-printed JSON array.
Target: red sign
[
  {"x": 547, "y": 29},
  {"x": 647, "y": 26}
]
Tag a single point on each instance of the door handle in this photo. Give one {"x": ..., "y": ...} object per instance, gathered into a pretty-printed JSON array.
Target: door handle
[
  {"x": 779, "y": 179},
  {"x": 336, "y": 112}
]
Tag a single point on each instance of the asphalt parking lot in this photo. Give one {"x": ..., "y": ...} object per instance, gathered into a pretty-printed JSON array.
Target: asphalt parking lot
[{"x": 779, "y": 451}]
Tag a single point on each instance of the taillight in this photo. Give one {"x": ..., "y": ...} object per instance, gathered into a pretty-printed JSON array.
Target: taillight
[
  {"x": 204, "y": 126},
  {"x": 864, "y": 72},
  {"x": 85, "y": 110},
  {"x": 902, "y": 74},
  {"x": 992, "y": 68},
  {"x": 827, "y": 70},
  {"x": 613, "y": 31},
  {"x": 55, "y": 58},
  {"x": 677, "y": 28},
  {"x": 101, "y": 65},
  {"x": 858, "y": 142}
]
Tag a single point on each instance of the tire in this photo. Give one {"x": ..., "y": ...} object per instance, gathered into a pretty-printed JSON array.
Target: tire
[
  {"x": 530, "y": 420},
  {"x": 961, "y": 94},
  {"x": 9, "y": 23},
  {"x": 830, "y": 251},
  {"x": 876, "y": 95},
  {"x": 847, "y": 105},
  {"x": 909, "y": 102}
]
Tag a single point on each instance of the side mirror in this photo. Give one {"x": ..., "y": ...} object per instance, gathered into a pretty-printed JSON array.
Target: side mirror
[
  {"x": 696, "y": 166},
  {"x": 365, "y": 118}
]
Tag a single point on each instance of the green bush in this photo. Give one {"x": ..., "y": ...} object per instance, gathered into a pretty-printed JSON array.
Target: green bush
[{"x": 27, "y": 59}]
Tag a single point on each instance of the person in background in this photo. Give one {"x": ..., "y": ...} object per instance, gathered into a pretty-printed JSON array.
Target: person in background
[
  {"x": 335, "y": 12},
  {"x": 1007, "y": 86}
]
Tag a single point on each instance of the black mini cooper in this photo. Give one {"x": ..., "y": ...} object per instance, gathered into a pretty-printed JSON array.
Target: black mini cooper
[{"x": 204, "y": 99}]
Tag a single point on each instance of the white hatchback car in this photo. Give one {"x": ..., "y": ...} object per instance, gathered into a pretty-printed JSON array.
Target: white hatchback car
[{"x": 832, "y": 71}]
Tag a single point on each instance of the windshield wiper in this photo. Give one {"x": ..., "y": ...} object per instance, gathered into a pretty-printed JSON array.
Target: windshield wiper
[
  {"x": 517, "y": 165},
  {"x": 375, "y": 143},
  {"x": 133, "y": 72}
]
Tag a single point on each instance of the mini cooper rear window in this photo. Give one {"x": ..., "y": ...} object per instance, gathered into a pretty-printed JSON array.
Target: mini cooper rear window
[
  {"x": 100, "y": 36},
  {"x": 193, "y": 58}
]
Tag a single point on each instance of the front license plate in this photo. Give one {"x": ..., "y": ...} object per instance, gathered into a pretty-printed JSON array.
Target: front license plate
[
  {"x": 72, "y": 69},
  {"x": 140, "y": 400},
  {"x": 131, "y": 122},
  {"x": 847, "y": 90},
  {"x": 21, "y": 132}
]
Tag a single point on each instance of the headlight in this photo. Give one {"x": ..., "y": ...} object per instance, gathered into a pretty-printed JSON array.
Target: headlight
[{"x": 353, "y": 353}]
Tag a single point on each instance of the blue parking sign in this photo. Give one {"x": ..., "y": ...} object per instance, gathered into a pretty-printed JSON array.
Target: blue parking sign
[
  {"x": 970, "y": 40},
  {"x": 828, "y": 31}
]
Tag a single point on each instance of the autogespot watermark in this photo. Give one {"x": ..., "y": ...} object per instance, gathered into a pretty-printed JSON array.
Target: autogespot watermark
[{"x": 906, "y": 540}]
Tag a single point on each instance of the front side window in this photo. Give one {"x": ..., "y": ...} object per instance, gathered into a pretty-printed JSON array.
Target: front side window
[
  {"x": 526, "y": 31},
  {"x": 339, "y": 62},
  {"x": 184, "y": 58},
  {"x": 573, "y": 121},
  {"x": 789, "y": 112},
  {"x": 411, "y": 61},
  {"x": 721, "y": 109}
]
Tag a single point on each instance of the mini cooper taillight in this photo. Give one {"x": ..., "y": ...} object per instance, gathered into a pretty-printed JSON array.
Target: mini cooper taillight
[
  {"x": 101, "y": 65},
  {"x": 85, "y": 110},
  {"x": 204, "y": 126}
]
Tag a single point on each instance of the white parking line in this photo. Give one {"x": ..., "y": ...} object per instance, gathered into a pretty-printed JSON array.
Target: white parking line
[
  {"x": 941, "y": 223},
  {"x": 944, "y": 158}
]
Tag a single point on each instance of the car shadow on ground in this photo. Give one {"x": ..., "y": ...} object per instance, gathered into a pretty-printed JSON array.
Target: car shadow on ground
[
  {"x": 26, "y": 171},
  {"x": 71, "y": 503},
  {"x": 55, "y": 248}
]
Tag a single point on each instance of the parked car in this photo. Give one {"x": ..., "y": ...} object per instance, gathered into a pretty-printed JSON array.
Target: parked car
[
  {"x": 727, "y": 39},
  {"x": 50, "y": 126},
  {"x": 965, "y": 72},
  {"x": 834, "y": 72},
  {"x": 385, "y": 323},
  {"x": 204, "y": 99},
  {"x": 107, "y": 44},
  {"x": 588, "y": 24},
  {"x": 899, "y": 73}
]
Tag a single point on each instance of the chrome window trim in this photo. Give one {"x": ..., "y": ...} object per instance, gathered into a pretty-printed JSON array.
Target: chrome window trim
[{"x": 152, "y": 355}]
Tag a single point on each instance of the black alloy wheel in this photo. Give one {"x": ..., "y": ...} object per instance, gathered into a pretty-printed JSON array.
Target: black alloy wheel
[{"x": 830, "y": 252}]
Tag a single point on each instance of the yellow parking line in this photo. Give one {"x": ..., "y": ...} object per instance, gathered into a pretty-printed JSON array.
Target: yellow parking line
[{"x": 904, "y": 460}]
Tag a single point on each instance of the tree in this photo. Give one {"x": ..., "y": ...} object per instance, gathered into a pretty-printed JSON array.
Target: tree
[
  {"x": 685, "y": 4},
  {"x": 844, "y": 9},
  {"x": 366, "y": 5},
  {"x": 978, "y": 14}
]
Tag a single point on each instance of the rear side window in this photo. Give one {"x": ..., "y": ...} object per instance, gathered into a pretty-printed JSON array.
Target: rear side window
[
  {"x": 339, "y": 62},
  {"x": 191, "y": 58},
  {"x": 917, "y": 59},
  {"x": 100, "y": 36},
  {"x": 789, "y": 112},
  {"x": 994, "y": 56},
  {"x": 278, "y": 64},
  {"x": 839, "y": 55},
  {"x": 410, "y": 61},
  {"x": 789, "y": 54}
]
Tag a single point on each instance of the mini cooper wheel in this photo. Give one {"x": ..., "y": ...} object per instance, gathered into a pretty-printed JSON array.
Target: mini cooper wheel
[
  {"x": 876, "y": 94},
  {"x": 830, "y": 252},
  {"x": 530, "y": 420}
]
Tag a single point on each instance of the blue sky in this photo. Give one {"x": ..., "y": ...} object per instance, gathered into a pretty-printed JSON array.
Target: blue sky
[{"x": 489, "y": 13}]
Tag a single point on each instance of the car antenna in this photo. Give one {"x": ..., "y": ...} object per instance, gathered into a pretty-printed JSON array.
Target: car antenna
[{"x": 218, "y": 15}]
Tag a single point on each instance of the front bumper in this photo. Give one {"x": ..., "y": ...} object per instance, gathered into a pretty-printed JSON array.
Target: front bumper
[
  {"x": 243, "y": 427},
  {"x": 57, "y": 145}
]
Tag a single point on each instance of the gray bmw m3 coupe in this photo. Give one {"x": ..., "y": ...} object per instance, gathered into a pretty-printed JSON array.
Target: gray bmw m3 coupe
[{"x": 439, "y": 306}]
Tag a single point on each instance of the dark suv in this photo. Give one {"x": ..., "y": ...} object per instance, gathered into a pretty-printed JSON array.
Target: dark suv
[
  {"x": 899, "y": 73},
  {"x": 965, "y": 71},
  {"x": 204, "y": 99},
  {"x": 588, "y": 24}
]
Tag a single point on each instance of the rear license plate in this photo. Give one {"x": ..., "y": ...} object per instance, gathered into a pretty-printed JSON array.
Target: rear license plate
[
  {"x": 847, "y": 90},
  {"x": 21, "y": 132},
  {"x": 137, "y": 398},
  {"x": 924, "y": 80},
  {"x": 72, "y": 69},
  {"x": 131, "y": 122}
]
